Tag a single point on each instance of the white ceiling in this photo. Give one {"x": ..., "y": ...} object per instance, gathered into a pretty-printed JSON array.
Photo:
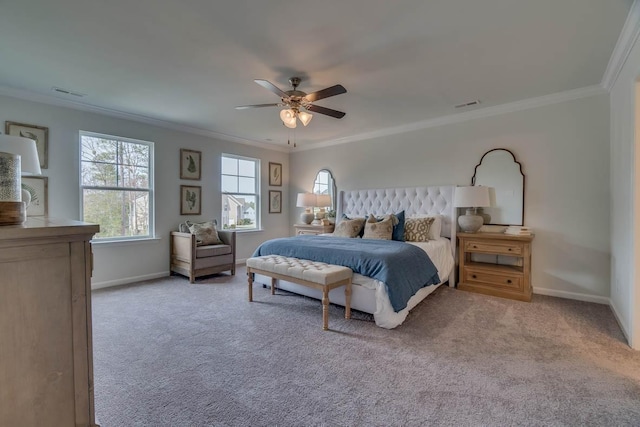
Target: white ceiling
[{"x": 189, "y": 62}]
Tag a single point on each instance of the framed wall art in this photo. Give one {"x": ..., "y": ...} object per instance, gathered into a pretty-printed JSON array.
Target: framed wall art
[
  {"x": 39, "y": 134},
  {"x": 190, "y": 164},
  {"x": 275, "y": 201},
  {"x": 190, "y": 199},
  {"x": 38, "y": 187},
  {"x": 275, "y": 174}
]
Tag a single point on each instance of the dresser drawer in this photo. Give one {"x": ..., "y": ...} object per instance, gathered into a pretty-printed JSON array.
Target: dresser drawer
[
  {"x": 500, "y": 248},
  {"x": 505, "y": 281}
]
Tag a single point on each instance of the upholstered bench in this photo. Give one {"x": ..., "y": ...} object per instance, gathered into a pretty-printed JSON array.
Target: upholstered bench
[{"x": 317, "y": 275}]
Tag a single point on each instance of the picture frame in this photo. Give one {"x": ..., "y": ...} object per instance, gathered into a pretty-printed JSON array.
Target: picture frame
[
  {"x": 190, "y": 164},
  {"x": 275, "y": 201},
  {"x": 40, "y": 134},
  {"x": 38, "y": 187},
  {"x": 190, "y": 199},
  {"x": 275, "y": 174}
]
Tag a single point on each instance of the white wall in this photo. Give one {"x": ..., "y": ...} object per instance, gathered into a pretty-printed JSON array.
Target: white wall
[
  {"x": 625, "y": 185},
  {"x": 564, "y": 151},
  {"x": 117, "y": 263}
]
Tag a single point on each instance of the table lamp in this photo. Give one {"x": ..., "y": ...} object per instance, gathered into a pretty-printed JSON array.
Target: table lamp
[
  {"x": 471, "y": 198},
  {"x": 18, "y": 156},
  {"x": 307, "y": 201},
  {"x": 323, "y": 201}
]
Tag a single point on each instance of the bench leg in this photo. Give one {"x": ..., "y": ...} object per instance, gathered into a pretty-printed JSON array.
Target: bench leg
[
  {"x": 273, "y": 286},
  {"x": 347, "y": 297},
  {"x": 325, "y": 309},
  {"x": 250, "y": 278}
]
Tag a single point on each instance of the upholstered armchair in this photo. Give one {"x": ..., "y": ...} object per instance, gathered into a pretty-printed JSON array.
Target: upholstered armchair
[{"x": 190, "y": 259}]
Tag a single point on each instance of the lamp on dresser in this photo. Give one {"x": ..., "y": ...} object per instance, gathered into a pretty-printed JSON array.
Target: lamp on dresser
[
  {"x": 471, "y": 197},
  {"x": 307, "y": 201},
  {"x": 323, "y": 201},
  {"x": 18, "y": 156}
]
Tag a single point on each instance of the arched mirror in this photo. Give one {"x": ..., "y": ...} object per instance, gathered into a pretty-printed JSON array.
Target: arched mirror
[
  {"x": 325, "y": 184},
  {"x": 499, "y": 170}
]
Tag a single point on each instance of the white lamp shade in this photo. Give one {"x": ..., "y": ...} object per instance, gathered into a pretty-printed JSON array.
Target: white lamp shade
[
  {"x": 472, "y": 197},
  {"x": 26, "y": 148},
  {"x": 305, "y": 117},
  {"x": 288, "y": 117},
  {"x": 306, "y": 200},
  {"x": 324, "y": 200}
]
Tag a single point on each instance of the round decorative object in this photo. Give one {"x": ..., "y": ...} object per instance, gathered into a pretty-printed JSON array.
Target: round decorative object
[
  {"x": 470, "y": 223},
  {"x": 306, "y": 217},
  {"x": 10, "y": 190}
]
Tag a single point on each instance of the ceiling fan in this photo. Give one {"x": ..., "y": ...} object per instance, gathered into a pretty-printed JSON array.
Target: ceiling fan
[{"x": 298, "y": 101}]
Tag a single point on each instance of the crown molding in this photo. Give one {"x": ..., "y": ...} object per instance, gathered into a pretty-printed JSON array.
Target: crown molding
[
  {"x": 52, "y": 100},
  {"x": 479, "y": 113},
  {"x": 626, "y": 40}
]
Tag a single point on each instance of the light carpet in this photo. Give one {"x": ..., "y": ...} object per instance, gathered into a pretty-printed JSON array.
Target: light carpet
[{"x": 169, "y": 353}]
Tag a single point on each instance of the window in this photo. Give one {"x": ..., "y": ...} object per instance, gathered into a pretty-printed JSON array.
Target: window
[
  {"x": 240, "y": 192},
  {"x": 116, "y": 186}
]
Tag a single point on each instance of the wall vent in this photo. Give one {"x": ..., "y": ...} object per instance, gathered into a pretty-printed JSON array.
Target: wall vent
[
  {"x": 67, "y": 92},
  {"x": 468, "y": 104}
]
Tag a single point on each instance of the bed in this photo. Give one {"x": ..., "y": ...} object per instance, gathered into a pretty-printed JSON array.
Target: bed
[{"x": 370, "y": 295}]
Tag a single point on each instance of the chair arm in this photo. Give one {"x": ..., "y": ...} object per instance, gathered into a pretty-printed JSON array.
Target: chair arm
[
  {"x": 183, "y": 246},
  {"x": 228, "y": 237}
]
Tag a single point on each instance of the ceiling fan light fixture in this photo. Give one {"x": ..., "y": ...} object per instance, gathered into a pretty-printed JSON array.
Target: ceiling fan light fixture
[
  {"x": 305, "y": 117},
  {"x": 288, "y": 117}
]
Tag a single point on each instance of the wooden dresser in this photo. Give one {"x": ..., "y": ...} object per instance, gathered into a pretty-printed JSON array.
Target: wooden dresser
[
  {"x": 482, "y": 270},
  {"x": 46, "y": 355},
  {"x": 313, "y": 229}
]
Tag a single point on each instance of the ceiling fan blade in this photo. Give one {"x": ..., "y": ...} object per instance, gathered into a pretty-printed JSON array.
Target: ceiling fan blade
[
  {"x": 327, "y": 111},
  {"x": 244, "y": 107},
  {"x": 271, "y": 87},
  {"x": 325, "y": 93}
]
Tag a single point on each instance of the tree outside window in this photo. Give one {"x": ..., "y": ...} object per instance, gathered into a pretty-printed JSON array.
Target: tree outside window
[{"x": 117, "y": 185}]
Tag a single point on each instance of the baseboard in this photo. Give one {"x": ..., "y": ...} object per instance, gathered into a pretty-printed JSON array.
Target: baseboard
[
  {"x": 241, "y": 261},
  {"x": 127, "y": 280},
  {"x": 620, "y": 322},
  {"x": 572, "y": 295}
]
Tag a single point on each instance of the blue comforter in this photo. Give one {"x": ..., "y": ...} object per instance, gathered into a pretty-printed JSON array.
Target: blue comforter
[{"x": 404, "y": 268}]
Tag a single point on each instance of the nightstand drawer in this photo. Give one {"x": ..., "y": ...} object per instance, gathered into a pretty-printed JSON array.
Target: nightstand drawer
[
  {"x": 475, "y": 277},
  {"x": 500, "y": 248}
]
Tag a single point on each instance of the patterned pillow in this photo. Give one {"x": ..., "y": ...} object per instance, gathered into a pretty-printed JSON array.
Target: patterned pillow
[
  {"x": 205, "y": 232},
  {"x": 349, "y": 227},
  {"x": 417, "y": 229},
  {"x": 374, "y": 229}
]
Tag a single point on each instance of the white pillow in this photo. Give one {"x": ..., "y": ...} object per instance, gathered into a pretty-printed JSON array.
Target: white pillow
[{"x": 436, "y": 228}]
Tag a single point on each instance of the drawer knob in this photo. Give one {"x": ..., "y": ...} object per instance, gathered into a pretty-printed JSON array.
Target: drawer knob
[
  {"x": 508, "y": 280},
  {"x": 509, "y": 249},
  {"x": 473, "y": 276},
  {"x": 475, "y": 247}
]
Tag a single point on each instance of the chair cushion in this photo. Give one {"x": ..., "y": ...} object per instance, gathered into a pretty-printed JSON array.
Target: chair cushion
[{"x": 212, "y": 250}]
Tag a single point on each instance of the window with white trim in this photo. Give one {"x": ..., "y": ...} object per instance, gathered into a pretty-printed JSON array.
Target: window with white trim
[
  {"x": 116, "y": 186},
  {"x": 240, "y": 192}
]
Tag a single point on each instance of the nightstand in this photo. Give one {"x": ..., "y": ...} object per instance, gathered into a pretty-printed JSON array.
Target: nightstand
[
  {"x": 313, "y": 229},
  {"x": 512, "y": 280}
]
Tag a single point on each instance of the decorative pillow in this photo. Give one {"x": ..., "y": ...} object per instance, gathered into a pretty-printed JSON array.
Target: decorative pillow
[
  {"x": 417, "y": 229},
  {"x": 436, "y": 228},
  {"x": 349, "y": 227},
  {"x": 374, "y": 229},
  {"x": 398, "y": 227},
  {"x": 205, "y": 232}
]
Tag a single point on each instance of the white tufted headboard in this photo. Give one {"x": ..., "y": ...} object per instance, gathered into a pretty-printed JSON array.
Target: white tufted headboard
[{"x": 436, "y": 200}]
